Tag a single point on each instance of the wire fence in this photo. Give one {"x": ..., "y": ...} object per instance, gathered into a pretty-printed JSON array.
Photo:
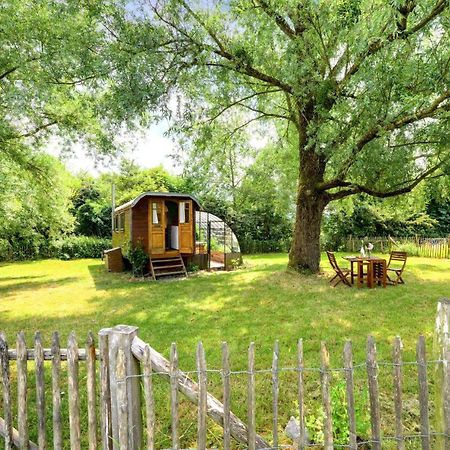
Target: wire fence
[{"x": 136, "y": 398}]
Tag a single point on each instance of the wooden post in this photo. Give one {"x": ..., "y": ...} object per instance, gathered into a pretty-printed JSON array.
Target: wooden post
[
  {"x": 275, "y": 392},
  {"x": 398, "y": 383},
  {"x": 174, "y": 395},
  {"x": 7, "y": 408},
  {"x": 91, "y": 391},
  {"x": 372, "y": 375},
  {"x": 74, "y": 393},
  {"x": 121, "y": 397},
  {"x": 120, "y": 338},
  {"x": 226, "y": 396},
  {"x": 40, "y": 389},
  {"x": 441, "y": 350},
  {"x": 251, "y": 399},
  {"x": 105, "y": 393},
  {"x": 56, "y": 391},
  {"x": 149, "y": 399},
  {"x": 22, "y": 413},
  {"x": 326, "y": 398},
  {"x": 349, "y": 383},
  {"x": 302, "y": 442},
  {"x": 423, "y": 393},
  {"x": 202, "y": 399}
]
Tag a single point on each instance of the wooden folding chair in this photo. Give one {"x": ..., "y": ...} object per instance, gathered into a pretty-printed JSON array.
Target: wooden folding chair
[
  {"x": 341, "y": 273},
  {"x": 398, "y": 257}
]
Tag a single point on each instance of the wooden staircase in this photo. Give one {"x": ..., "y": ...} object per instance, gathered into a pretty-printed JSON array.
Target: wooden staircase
[{"x": 167, "y": 267}]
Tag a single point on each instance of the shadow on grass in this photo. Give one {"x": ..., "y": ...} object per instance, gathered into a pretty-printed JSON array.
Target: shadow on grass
[
  {"x": 5, "y": 279},
  {"x": 33, "y": 285}
]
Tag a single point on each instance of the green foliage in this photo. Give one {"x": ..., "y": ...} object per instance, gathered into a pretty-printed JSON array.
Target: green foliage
[
  {"x": 51, "y": 78},
  {"x": 33, "y": 212},
  {"x": 363, "y": 216},
  {"x": 133, "y": 180},
  {"x": 358, "y": 88},
  {"x": 74, "y": 247},
  {"x": 191, "y": 267},
  {"x": 315, "y": 422},
  {"x": 340, "y": 414},
  {"x": 92, "y": 212},
  {"x": 138, "y": 259}
]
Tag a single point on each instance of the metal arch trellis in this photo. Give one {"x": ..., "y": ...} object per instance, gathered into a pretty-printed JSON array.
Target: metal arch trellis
[{"x": 221, "y": 242}]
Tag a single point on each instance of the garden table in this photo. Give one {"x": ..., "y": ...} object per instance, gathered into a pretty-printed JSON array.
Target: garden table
[{"x": 376, "y": 270}]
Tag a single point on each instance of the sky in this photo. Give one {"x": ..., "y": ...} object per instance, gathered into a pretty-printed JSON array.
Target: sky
[{"x": 148, "y": 149}]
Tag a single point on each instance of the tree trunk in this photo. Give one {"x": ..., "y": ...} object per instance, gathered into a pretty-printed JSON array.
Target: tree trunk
[{"x": 305, "y": 249}]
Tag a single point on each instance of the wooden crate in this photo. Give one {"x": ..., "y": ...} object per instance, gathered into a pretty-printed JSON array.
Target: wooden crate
[{"x": 114, "y": 260}]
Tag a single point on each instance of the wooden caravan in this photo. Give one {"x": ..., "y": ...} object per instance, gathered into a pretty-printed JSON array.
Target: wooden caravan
[
  {"x": 163, "y": 223},
  {"x": 173, "y": 230}
]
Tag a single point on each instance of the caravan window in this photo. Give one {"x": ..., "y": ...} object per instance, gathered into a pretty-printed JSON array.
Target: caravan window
[
  {"x": 156, "y": 213},
  {"x": 184, "y": 212},
  {"x": 119, "y": 222}
]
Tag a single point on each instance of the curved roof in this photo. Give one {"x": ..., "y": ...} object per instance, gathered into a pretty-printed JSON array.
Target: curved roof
[{"x": 177, "y": 195}]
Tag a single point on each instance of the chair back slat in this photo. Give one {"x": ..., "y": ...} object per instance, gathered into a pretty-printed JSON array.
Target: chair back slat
[
  {"x": 342, "y": 275},
  {"x": 398, "y": 256},
  {"x": 332, "y": 260}
]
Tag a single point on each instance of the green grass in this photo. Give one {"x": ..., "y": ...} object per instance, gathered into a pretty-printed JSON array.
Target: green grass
[{"x": 260, "y": 303}]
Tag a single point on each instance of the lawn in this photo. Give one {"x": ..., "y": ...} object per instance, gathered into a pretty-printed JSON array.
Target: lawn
[{"x": 262, "y": 302}]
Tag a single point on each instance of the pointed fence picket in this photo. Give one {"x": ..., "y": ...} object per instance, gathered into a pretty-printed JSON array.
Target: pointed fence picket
[{"x": 126, "y": 425}]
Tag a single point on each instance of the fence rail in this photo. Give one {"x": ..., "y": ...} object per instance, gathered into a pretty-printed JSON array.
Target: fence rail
[
  {"x": 415, "y": 246},
  {"x": 128, "y": 369}
]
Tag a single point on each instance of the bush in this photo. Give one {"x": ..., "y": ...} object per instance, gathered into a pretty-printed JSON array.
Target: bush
[
  {"x": 73, "y": 247},
  {"x": 408, "y": 247},
  {"x": 138, "y": 260}
]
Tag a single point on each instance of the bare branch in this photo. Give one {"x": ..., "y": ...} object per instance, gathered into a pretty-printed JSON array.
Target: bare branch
[{"x": 8, "y": 72}]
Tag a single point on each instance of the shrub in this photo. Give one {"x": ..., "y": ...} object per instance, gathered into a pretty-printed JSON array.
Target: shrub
[
  {"x": 138, "y": 260},
  {"x": 408, "y": 247},
  {"x": 73, "y": 247},
  {"x": 192, "y": 267}
]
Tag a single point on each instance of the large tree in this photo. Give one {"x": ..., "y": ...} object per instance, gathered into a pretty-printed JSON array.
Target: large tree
[
  {"x": 52, "y": 78},
  {"x": 362, "y": 87}
]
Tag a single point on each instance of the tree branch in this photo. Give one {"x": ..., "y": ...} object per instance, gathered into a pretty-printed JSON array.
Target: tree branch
[
  {"x": 283, "y": 25},
  {"x": 354, "y": 188},
  {"x": 374, "y": 132},
  {"x": 376, "y": 46},
  {"x": 239, "y": 102},
  {"x": 239, "y": 65},
  {"x": 32, "y": 132}
]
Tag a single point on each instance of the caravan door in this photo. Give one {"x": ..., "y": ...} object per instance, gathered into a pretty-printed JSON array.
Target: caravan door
[
  {"x": 157, "y": 227},
  {"x": 186, "y": 224}
]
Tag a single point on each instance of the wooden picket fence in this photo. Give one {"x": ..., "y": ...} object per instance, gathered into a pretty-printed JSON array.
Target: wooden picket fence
[
  {"x": 415, "y": 246},
  {"x": 128, "y": 366}
]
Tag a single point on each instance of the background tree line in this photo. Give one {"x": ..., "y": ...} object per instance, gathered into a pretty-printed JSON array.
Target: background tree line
[{"x": 67, "y": 216}]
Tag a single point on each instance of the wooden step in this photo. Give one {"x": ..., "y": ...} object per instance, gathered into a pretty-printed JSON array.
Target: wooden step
[
  {"x": 170, "y": 273},
  {"x": 174, "y": 262},
  {"x": 168, "y": 267},
  {"x": 165, "y": 260}
]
